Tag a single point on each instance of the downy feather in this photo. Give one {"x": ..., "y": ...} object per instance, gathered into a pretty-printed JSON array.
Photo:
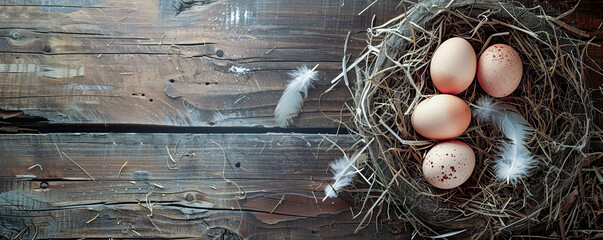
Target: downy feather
[
  {"x": 515, "y": 160},
  {"x": 343, "y": 171},
  {"x": 291, "y": 101}
]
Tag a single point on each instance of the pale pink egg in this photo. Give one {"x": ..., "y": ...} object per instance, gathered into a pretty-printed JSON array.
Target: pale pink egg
[
  {"x": 499, "y": 70},
  {"x": 453, "y": 65},
  {"x": 441, "y": 117}
]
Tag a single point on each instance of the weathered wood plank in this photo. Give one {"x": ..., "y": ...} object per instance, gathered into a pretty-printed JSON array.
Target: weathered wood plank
[
  {"x": 62, "y": 210},
  {"x": 175, "y": 62},
  {"x": 222, "y": 181},
  {"x": 172, "y": 63},
  {"x": 198, "y": 156}
]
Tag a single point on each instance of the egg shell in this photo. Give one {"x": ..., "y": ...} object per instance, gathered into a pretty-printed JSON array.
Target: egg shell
[
  {"x": 453, "y": 66},
  {"x": 448, "y": 164},
  {"x": 441, "y": 117},
  {"x": 499, "y": 70}
]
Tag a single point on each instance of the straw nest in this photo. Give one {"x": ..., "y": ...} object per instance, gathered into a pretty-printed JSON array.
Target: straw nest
[{"x": 392, "y": 76}]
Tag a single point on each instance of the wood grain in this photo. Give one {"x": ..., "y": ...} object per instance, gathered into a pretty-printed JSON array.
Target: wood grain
[
  {"x": 200, "y": 155},
  {"x": 207, "y": 63},
  {"x": 221, "y": 182},
  {"x": 173, "y": 62}
]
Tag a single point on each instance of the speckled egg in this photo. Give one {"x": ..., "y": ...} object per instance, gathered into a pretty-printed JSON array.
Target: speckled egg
[
  {"x": 452, "y": 67},
  {"x": 448, "y": 164},
  {"x": 499, "y": 70},
  {"x": 441, "y": 117}
]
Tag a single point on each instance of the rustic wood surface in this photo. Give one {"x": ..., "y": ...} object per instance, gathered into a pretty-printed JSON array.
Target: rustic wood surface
[
  {"x": 220, "y": 182},
  {"x": 174, "y": 62},
  {"x": 168, "y": 63}
]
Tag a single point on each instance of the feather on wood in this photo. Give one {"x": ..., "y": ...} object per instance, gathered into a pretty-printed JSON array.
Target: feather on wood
[{"x": 291, "y": 101}]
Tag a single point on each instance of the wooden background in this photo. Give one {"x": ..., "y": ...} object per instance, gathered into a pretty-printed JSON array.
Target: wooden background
[{"x": 119, "y": 87}]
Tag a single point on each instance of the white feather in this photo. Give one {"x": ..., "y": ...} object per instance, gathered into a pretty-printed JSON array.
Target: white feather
[
  {"x": 343, "y": 171},
  {"x": 515, "y": 159},
  {"x": 291, "y": 101}
]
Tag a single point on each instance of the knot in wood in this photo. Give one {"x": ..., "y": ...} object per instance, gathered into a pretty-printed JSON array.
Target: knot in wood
[{"x": 190, "y": 197}]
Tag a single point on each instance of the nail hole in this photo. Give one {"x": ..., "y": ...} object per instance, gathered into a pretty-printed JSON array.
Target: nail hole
[
  {"x": 15, "y": 35},
  {"x": 207, "y": 83},
  {"x": 150, "y": 100},
  {"x": 43, "y": 185},
  {"x": 172, "y": 80},
  {"x": 142, "y": 94},
  {"x": 190, "y": 197},
  {"x": 238, "y": 164}
]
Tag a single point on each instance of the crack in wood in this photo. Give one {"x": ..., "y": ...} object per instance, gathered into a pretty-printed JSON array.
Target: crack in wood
[
  {"x": 158, "y": 206},
  {"x": 67, "y": 33},
  {"x": 50, "y": 5}
]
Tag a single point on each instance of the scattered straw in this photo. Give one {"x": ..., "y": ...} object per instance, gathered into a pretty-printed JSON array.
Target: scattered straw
[
  {"x": 367, "y": 7},
  {"x": 35, "y": 231},
  {"x": 34, "y": 166},
  {"x": 154, "y": 225},
  {"x": 122, "y": 168},
  {"x": 127, "y": 14},
  {"x": 242, "y": 192},
  {"x": 112, "y": 39},
  {"x": 279, "y": 203},
  {"x": 170, "y": 158},
  {"x": 94, "y": 218},
  {"x": 161, "y": 40},
  {"x": 269, "y": 51},
  {"x": 264, "y": 147},
  {"x": 63, "y": 154},
  {"x": 294, "y": 136},
  {"x": 148, "y": 204},
  {"x": 22, "y": 232}
]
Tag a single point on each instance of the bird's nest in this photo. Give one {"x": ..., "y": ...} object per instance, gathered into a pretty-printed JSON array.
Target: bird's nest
[{"x": 392, "y": 76}]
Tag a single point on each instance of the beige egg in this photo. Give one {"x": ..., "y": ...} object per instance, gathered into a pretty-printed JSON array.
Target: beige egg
[
  {"x": 448, "y": 164},
  {"x": 441, "y": 117},
  {"x": 453, "y": 66},
  {"x": 499, "y": 70}
]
